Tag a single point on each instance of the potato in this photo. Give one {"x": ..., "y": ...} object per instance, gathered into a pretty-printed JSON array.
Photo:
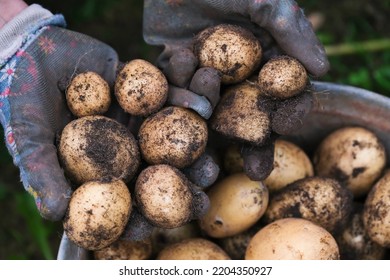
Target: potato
[
  {"x": 320, "y": 200},
  {"x": 354, "y": 156},
  {"x": 88, "y": 94},
  {"x": 97, "y": 214},
  {"x": 236, "y": 203},
  {"x": 174, "y": 136},
  {"x": 96, "y": 148},
  {"x": 292, "y": 239},
  {"x": 376, "y": 214},
  {"x": 232, "y": 159},
  {"x": 354, "y": 241},
  {"x": 239, "y": 115},
  {"x": 125, "y": 250},
  {"x": 166, "y": 198},
  {"x": 193, "y": 249},
  {"x": 163, "y": 237},
  {"x": 231, "y": 49},
  {"x": 141, "y": 88},
  {"x": 282, "y": 77}
]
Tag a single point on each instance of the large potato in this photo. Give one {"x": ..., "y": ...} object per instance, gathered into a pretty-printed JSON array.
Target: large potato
[
  {"x": 98, "y": 213},
  {"x": 97, "y": 148},
  {"x": 292, "y": 239}
]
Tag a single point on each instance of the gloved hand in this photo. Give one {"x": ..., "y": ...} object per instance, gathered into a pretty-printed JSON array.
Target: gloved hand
[
  {"x": 282, "y": 28},
  {"x": 39, "y": 58}
]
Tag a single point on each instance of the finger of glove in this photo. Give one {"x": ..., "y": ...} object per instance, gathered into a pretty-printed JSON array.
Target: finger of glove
[
  {"x": 188, "y": 99},
  {"x": 258, "y": 161},
  {"x": 181, "y": 67},
  {"x": 292, "y": 31},
  {"x": 290, "y": 113},
  {"x": 207, "y": 82},
  {"x": 203, "y": 172}
]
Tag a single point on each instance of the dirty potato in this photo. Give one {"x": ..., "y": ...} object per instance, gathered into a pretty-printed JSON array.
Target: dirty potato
[
  {"x": 97, "y": 214},
  {"x": 354, "y": 156},
  {"x": 231, "y": 49},
  {"x": 123, "y": 249},
  {"x": 174, "y": 136},
  {"x": 141, "y": 88}
]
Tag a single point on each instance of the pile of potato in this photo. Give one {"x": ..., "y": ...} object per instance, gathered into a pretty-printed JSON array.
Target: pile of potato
[{"x": 333, "y": 204}]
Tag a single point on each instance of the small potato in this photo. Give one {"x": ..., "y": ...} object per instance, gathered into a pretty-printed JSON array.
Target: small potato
[
  {"x": 141, "y": 88},
  {"x": 376, "y": 214},
  {"x": 282, "y": 77},
  {"x": 320, "y": 200},
  {"x": 98, "y": 148},
  {"x": 125, "y": 250},
  {"x": 174, "y": 136},
  {"x": 239, "y": 115},
  {"x": 354, "y": 156},
  {"x": 236, "y": 203},
  {"x": 166, "y": 198},
  {"x": 354, "y": 242},
  {"x": 292, "y": 239},
  {"x": 193, "y": 249},
  {"x": 88, "y": 94},
  {"x": 97, "y": 214},
  {"x": 231, "y": 49}
]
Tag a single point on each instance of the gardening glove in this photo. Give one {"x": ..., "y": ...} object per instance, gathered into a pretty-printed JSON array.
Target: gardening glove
[
  {"x": 281, "y": 27},
  {"x": 37, "y": 57}
]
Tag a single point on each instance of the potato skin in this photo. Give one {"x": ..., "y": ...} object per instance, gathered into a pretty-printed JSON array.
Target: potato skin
[
  {"x": 239, "y": 115},
  {"x": 193, "y": 249},
  {"x": 123, "y": 249},
  {"x": 141, "y": 88},
  {"x": 231, "y": 49},
  {"x": 174, "y": 136},
  {"x": 320, "y": 200},
  {"x": 164, "y": 196},
  {"x": 98, "y": 148},
  {"x": 376, "y": 213},
  {"x": 282, "y": 77},
  {"x": 236, "y": 203},
  {"x": 97, "y": 214},
  {"x": 354, "y": 156},
  {"x": 88, "y": 94},
  {"x": 292, "y": 239}
]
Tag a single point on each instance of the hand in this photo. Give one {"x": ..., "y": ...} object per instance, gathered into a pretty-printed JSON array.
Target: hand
[
  {"x": 281, "y": 27},
  {"x": 32, "y": 105}
]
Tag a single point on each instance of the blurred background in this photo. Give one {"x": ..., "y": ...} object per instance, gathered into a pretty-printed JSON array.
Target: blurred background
[{"x": 356, "y": 34}]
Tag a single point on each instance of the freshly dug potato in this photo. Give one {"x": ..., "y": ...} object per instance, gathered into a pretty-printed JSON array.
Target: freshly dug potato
[
  {"x": 163, "y": 237},
  {"x": 236, "y": 204},
  {"x": 193, "y": 249},
  {"x": 282, "y": 77},
  {"x": 376, "y": 214},
  {"x": 125, "y": 250},
  {"x": 354, "y": 242},
  {"x": 174, "y": 136},
  {"x": 320, "y": 200},
  {"x": 354, "y": 156},
  {"x": 141, "y": 88},
  {"x": 231, "y": 49},
  {"x": 291, "y": 163},
  {"x": 88, "y": 94},
  {"x": 97, "y": 214},
  {"x": 98, "y": 148},
  {"x": 167, "y": 198},
  {"x": 240, "y": 116},
  {"x": 292, "y": 239}
]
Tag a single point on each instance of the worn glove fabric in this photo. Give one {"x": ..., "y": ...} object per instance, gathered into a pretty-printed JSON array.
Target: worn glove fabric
[
  {"x": 174, "y": 23},
  {"x": 41, "y": 55}
]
